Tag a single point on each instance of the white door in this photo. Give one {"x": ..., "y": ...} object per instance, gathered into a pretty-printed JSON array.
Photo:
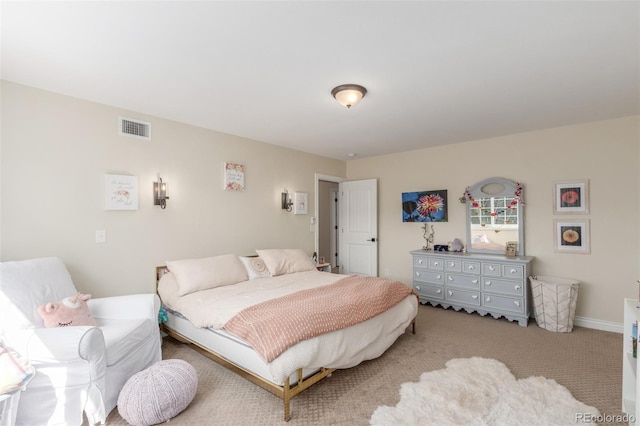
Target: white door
[{"x": 357, "y": 202}]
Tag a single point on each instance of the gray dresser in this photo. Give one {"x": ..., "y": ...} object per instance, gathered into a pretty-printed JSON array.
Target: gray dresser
[{"x": 484, "y": 283}]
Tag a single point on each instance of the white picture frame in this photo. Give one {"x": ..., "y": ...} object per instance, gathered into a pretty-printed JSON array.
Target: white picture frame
[
  {"x": 121, "y": 192},
  {"x": 571, "y": 196},
  {"x": 300, "y": 202},
  {"x": 572, "y": 236},
  {"x": 233, "y": 177}
]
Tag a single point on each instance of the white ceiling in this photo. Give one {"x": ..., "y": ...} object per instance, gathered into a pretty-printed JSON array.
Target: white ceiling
[{"x": 436, "y": 72}]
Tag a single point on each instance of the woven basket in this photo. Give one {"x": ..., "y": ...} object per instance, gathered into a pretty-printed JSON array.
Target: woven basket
[{"x": 554, "y": 302}]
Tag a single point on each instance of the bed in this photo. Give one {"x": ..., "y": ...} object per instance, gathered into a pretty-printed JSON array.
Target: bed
[{"x": 210, "y": 301}]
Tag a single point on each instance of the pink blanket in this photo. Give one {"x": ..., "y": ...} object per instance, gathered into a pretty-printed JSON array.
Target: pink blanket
[{"x": 272, "y": 327}]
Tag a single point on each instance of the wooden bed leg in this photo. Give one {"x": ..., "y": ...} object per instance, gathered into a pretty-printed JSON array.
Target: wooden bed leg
[
  {"x": 413, "y": 326},
  {"x": 286, "y": 399}
]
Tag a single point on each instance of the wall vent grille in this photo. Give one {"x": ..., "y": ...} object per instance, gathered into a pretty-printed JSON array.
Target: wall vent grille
[{"x": 135, "y": 128}]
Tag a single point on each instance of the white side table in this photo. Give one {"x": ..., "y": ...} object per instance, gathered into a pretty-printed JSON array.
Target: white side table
[{"x": 323, "y": 267}]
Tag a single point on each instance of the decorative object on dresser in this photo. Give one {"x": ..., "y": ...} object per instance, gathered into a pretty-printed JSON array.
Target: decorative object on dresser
[{"x": 483, "y": 283}]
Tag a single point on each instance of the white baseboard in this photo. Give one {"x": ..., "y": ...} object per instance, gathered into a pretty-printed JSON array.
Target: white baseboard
[{"x": 598, "y": 324}]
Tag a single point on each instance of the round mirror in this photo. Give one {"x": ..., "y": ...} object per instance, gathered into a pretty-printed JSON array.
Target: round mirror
[{"x": 495, "y": 217}]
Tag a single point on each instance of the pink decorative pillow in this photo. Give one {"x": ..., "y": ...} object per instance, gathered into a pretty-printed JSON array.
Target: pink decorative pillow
[{"x": 71, "y": 311}]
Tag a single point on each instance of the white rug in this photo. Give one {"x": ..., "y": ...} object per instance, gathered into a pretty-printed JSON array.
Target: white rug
[{"x": 480, "y": 391}]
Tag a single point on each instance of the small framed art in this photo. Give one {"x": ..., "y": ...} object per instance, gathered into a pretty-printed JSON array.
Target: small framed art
[
  {"x": 572, "y": 236},
  {"x": 233, "y": 177},
  {"x": 571, "y": 197},
  {"x": 511, "y": 248},
  {"x": 121, "y": 192},
  {"x": 300, "y": 201}
]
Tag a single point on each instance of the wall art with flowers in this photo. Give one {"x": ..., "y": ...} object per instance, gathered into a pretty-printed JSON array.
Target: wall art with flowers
[
  {"x": 571, "y": 197},
  {"x": 424, "y": 206}
]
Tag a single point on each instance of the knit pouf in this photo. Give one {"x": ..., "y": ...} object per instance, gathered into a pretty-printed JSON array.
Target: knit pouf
[{"x": 158, "y": 393}]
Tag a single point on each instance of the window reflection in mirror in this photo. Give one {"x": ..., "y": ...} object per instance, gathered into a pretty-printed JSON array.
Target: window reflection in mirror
[{"x": 494, "y": 216}]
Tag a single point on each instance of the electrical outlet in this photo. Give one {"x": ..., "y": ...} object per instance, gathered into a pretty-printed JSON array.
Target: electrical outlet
[{"x": 101, "y": 236}]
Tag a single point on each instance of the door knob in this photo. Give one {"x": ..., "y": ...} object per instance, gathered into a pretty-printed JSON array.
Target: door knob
[{"x": 373, "y": 240}]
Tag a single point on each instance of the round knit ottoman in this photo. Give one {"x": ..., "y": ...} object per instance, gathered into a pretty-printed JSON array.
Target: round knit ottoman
[{"x": 158, "y": 393}]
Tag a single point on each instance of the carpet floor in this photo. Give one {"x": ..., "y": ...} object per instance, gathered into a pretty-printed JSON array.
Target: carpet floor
[{"x": 587, "y": 362}]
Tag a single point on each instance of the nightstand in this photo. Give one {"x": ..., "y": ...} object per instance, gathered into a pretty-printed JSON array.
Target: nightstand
[{"x": 323, "y": 267}]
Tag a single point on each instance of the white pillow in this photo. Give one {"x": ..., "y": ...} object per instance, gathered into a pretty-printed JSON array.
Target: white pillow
[
  {"x": 209, "y": 272},
  {"x": 286, "y": 261},
  {"x": 255, "y": 267}
]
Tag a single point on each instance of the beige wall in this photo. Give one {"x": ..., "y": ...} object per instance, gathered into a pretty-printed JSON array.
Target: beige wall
[
  {"x": 56, "y": 151},
  {"x": 607, "y": 153}
]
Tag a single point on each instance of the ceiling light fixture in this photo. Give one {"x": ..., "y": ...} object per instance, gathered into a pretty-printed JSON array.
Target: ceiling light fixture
[{"x": 348, "y": 94}]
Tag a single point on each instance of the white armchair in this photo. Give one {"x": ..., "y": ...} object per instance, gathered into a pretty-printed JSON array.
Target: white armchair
[{"x": 79, "y": 368}]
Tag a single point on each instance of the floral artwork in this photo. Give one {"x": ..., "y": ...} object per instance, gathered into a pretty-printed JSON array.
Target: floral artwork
[
  {"x": 572, "y": 236},
  {"x": 571, "y": 197},
  {"x": 424, "y": 206},
  {"x": 233, "y": 177},
  {"x": 121, "y": 192}
]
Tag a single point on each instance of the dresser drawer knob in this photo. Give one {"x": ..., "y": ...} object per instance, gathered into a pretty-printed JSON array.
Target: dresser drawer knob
[
  {"x": 417, "y": 287},
  {"x": 491, "y": 268},
  {"x": 471, "y": 267},
  {"x": 450, "y": 278},
  {"x": 451, "y": 264},
  {"x": 474, "y": 281},
  {"x": 420, "y": 261},
  {"x": 513, "y": 271},
  {"x": 438, "y": 291},
  {"x": 417, "y": 274},
  {"x": 517, "y": 287},
  {"x": 487, "y": 283},
  {"x": 450, "y": 293},
  {"x": 517, "y": 303},
  {"x": 488, "y": 299},
  {"x": 475, "y": 296},
  {"x": 436, "y": 263},
  {"x": 438, "y": 277}
]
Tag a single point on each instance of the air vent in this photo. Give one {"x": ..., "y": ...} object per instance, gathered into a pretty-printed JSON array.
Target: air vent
[{"x": 135, "y": 128}]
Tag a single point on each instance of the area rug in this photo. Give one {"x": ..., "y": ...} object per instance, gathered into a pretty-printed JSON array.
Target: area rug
[{"x": 480, "y": 391}]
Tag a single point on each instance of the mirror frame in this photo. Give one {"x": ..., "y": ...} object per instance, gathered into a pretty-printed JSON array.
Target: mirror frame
[{"x": 476, "y": 191}]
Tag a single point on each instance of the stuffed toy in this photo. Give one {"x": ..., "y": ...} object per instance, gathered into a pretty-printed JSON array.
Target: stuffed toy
[{"x": 67, "y": 312}]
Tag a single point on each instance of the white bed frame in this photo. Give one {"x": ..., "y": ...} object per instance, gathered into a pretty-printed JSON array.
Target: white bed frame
[{"x": 241, "y": 358}]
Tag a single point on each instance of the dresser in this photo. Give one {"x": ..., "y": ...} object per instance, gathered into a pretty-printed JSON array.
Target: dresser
[{"x": 484, "y": 283}]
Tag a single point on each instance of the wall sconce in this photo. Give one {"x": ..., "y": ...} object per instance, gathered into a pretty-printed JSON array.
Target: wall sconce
[
  {"x": 286, "y": 201},
  {"x": 348, "y": 95},
  {"x": 160, "y": 193}
]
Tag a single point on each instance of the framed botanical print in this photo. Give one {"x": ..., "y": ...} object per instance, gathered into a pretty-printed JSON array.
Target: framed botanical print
[
  {"x": 571, "y": 197},
  {"x": 572, "y": 236}
]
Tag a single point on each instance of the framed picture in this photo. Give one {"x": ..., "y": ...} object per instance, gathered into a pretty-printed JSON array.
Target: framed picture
[
  {"x": 121, "y": 192},
  {"x": 424, "y": 206},
  {"x": 571, "y": 197},
  {"x": 233, "y": 177},
  {"x": 300, "y": 201},
  {"x": 572, "y": 236},
  {"x": 511, "y": 248}
]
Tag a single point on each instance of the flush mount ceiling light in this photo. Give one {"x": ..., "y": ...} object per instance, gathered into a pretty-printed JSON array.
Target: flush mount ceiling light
[{"x": 348, "y": 94}]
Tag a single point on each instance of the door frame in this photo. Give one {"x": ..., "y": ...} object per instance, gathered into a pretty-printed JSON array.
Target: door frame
[{"x": 318, "y": 177}]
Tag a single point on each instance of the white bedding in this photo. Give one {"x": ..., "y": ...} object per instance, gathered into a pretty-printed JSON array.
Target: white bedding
[{"x": 339, "y": 349}]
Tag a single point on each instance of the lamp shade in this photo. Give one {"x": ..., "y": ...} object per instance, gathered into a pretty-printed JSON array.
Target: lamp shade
[{"x": 348, "y": 95}]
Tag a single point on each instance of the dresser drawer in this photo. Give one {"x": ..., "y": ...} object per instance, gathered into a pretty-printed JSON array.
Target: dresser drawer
[
  {"x": 436, "y": 263},
  {"x": 491, "y": 269},
  {"x": 462, "y": 296},
  {"x": 513, "y": 271},
  {"x": 465, "y": 281},
  {"x": 453, "y": 265},
  {"x": 420, "y": 262},
  {"x": 424, "y": 275},
  {"x": 503, "y": 303},
  {"x": 430, "y": 291},
  {"x": 470, "y": 267},
  {"x": 503, "y": 286}
]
